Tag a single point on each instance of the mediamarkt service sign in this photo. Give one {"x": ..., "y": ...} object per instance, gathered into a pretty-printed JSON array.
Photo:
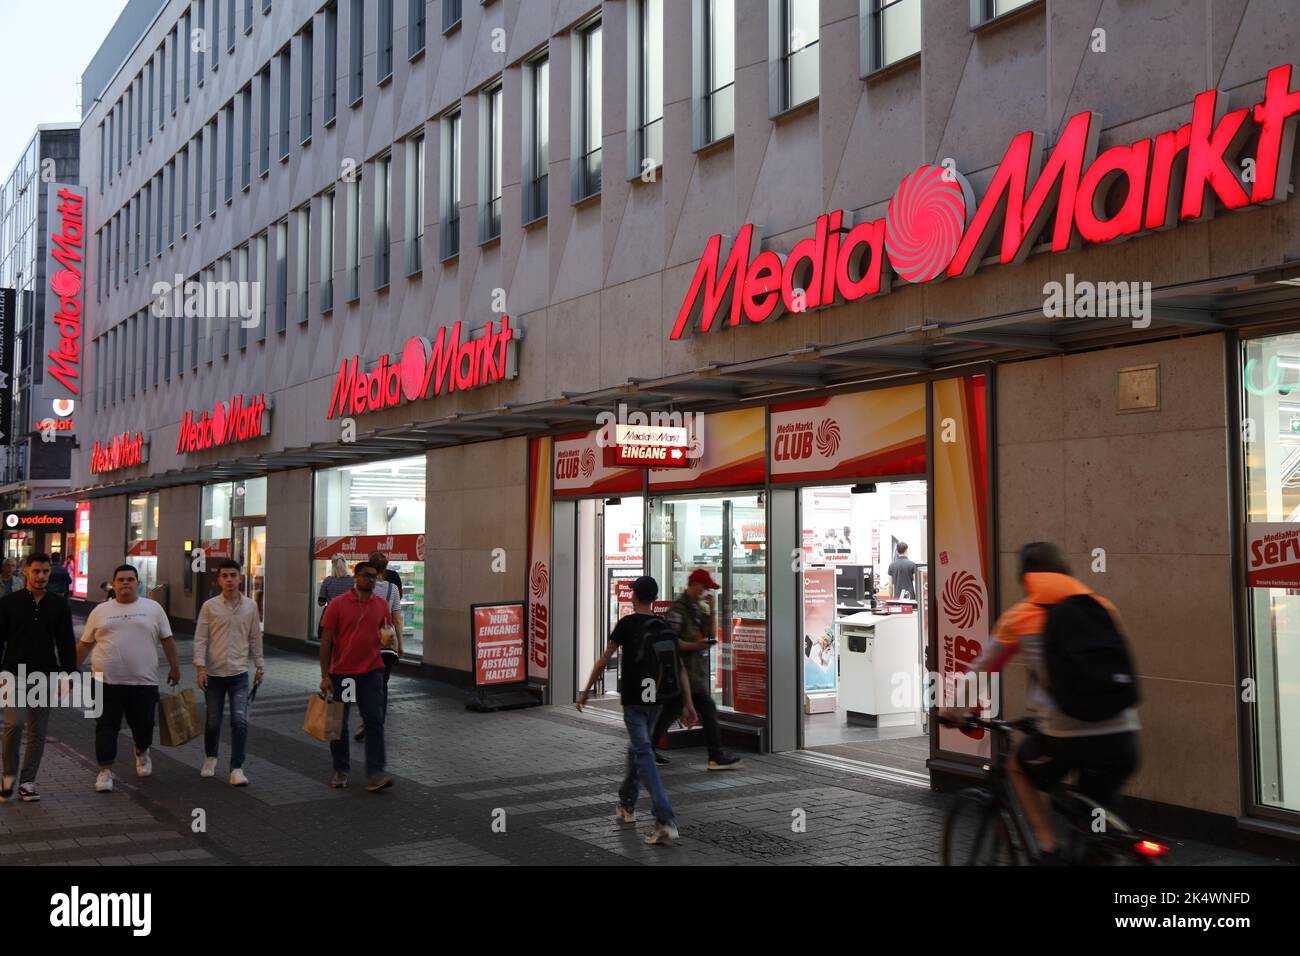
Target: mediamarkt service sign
[{"x": 933, "y": 228}]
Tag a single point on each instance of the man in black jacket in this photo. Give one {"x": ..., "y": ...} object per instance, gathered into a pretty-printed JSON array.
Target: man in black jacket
[{"x": 36, "y": 637}]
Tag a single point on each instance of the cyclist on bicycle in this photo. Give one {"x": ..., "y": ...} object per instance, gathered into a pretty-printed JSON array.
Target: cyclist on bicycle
[{"x": 1104, "y": 752}]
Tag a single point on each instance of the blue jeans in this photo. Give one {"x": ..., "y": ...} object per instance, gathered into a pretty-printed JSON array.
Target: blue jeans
[
  {"x": 219, "y": 688},
  {"x": 640, "y": 721},
  {"x": 370, "y": 701}
]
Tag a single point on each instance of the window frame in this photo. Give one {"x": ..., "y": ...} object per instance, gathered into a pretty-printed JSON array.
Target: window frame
[
  {"x": 491, "y": 160},
  {"x": 586, "y": 166},
  {"x": 781, "y": 58},
  {"x": 537, "y": 151},
  {"x": 642, "y": 128}
]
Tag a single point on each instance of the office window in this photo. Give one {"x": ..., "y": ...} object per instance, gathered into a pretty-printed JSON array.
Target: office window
[
  {"x": 148, "y": 218},
  {"x": 130, "y": 119},
  {"x": 230, "y": 26},
  {"x": 356, "y": 51},
  {"x": 586, "y": 115},
  {"x": 230, "y": 314},
  {"x": 352, "y": 248},
  {"x": 305, "y": 86},
  {"x": 185, "y": 191},
  {"x": 211, "y": 141},
  {"x": 266, "y": 6},
  {"x": 171, "y": 202},
  {"x": 195, "y": 333},
  {"x": 108, "y": 258},
  {"x": 384, "y": 42},
  {"x": 158, "y": 229},
  {"x": 284, "y": 103},
  {"x": 201, "y": 40},
  {"x": 176, "y": 56},
  {"x": 449, "y": 241},
  {"x": 489, "y": 199},
  {"x": 246, "y": 134},
  {"x": 99, "y": 264},
  {"x": 230, "y": 150},
  {"x": 327, "y": 251},
  {"x": 168, "y": 320},
  {"x": 142, "y": 333},
  {"x": 260, "y": 298},
  {"x": 982, "y": 11},
  {"x": 537, "y": 137},
  {"x": 248, "y": 16},
  {"x": 713, "y": 103},
  {"x": 450, "y": 14},
  {"x": 132, "y": 349},
  {"x": 188, "y": 40},
  {"x": 645, "y": 90},
  {"x": 215, "y": 39},
  {"x": 178, "y": 321},
  {"x": 383, "y": 217},
  {"x": 138, "y": 86},
  {"x": 330, "y": 68},
  {"x": 414, "y": 204},
  {"x": 134, "y": 209},
  {"x": 793, "y": 35},
  {"x": 103, "y": 160},
  {"x": 415, "y": 40},
  {"x": 304, "y": 247},
  {"x": 890, "y": 32},
  {"x": 244, "y": 278},
  {"x": 121, "y": 122},
  {"x": 282, "y": 275},
  {"x": 198, "y": 179},
  {"x": 148, "y": 82},
  {"x": 264, "y": 89},
  {"x": 162, "y": 85},
  {"x": 109, "y": 123},
  {"x": 210, "y": 321},
  {"x": 155, "y": 336}
]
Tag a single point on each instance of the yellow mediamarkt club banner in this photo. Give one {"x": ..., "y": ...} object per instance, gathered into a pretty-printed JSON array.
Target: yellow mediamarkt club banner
[
  {"x": 960, "y": 559},
  {"x": 727, "y": 451},
  {"x": 539, "y": 558}
]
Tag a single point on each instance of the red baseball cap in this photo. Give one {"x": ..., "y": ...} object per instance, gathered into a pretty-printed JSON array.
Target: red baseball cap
[{"x": 702, "y": 576}]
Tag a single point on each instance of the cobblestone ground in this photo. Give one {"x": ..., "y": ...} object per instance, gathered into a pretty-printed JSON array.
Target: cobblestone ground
[{"x": 553, "y": 772}]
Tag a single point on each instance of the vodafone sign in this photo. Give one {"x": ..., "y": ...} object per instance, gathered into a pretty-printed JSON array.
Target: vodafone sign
[
  {"x": 425, "y": 369},
  {"x": 240, "y": 419},
  {"x": 934, "y": 229}
]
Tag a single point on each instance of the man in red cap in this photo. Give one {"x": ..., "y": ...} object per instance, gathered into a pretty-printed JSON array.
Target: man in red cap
[{"x": 694, "y": 618}]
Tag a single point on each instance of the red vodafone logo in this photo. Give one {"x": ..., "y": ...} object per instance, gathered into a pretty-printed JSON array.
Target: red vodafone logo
[{"x": 925, "y": 222}]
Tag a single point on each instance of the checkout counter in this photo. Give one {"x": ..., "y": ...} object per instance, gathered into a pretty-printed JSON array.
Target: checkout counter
[{"x": 874, "y": 647}]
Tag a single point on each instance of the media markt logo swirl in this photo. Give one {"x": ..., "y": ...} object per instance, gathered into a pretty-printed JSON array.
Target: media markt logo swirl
[
  {"x": 962, "y": 599},
  {"x": 588, "y": 463},
  {"x": 828, "y": 437},
  {"x": 541, "y": 579}
]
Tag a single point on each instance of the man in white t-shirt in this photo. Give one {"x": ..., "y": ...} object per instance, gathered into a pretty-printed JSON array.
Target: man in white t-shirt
[{"x": 121, "y": 641}]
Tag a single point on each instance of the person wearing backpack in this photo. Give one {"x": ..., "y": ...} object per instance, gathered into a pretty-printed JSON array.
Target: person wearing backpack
[
  {"x": 652, "y": 676},
  {"x": 1082, "y": 688}
]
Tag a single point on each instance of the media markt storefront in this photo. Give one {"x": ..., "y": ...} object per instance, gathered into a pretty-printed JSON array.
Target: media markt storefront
[{"x": 798, "y": 511}]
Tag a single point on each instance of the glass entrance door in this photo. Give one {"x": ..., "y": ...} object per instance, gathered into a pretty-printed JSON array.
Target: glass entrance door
[{"x": 250, "y": 552}]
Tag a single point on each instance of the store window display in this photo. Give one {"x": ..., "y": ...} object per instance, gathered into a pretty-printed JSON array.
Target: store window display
[
  {"x": 142, "y": 539},
  {"x": 378, "y": 506},
  {"x": 233, "y": 525}
]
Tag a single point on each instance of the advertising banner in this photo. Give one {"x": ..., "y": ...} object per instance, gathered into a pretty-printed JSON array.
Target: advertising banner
[
  {"x": 581, "y": 469},
  {"x": 497, "y": 638},
  {"x": 749, "y": 666},
  {"x": 728, "y": 449},
  {"x": 539, "y": 557},
  {"x": 819, "y": 663},
  {"x": 65, "y": 300},
  {"x": 1273, "y": 554},
  {"x": 357, "y": 547},
  {"x": 81, "y": 572},
  {"x": 961, "y": 536},
  {"x": 8, "y": 320},
  {"x": 58, "y": 520},
  {"x": 859, "y": 435}
]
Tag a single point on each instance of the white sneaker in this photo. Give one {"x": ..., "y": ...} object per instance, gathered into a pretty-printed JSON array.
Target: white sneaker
[
  {"x": 104, "y": 782},
  {"x": 664, "y": 833},
  {"x": 209, "y": 768},
  {"x": 143, "y": 764},
  {"x": 237, "y": 778}
]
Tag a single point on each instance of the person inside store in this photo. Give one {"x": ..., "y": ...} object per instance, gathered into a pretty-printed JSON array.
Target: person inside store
[
  {"x": 36, "y": 637},
  {"x": 351, "y": 638},
  {"x": 11, "y": 579},
  {"x": 694, "y": 618},
  {"x": 60, "y": 578},
  {"x": 386, "y": 589},
  {"x": 338, "y": 581},
  {"x": 121, "y": 639},
  {"x": 902, "y": 574}
]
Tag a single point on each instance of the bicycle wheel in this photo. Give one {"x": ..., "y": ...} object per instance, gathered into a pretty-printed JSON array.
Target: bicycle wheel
[{"x": 976, "y": 833}]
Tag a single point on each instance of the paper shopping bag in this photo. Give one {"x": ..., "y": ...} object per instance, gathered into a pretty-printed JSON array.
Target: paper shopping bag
[
  {"x": 178, "y": 719},
  {"x": 324, "y": 718}
]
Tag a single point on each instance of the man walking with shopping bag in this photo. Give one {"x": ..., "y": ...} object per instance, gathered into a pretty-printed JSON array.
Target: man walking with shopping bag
[
  {"x": 352, "y": 671},
  {"x": 227, "y": 633},
  {"x": 121, "y": 639},
  {"x": 36, "y": 638}
]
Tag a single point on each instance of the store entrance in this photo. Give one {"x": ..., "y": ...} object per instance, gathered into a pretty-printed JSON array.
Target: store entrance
[
  {"x": 250, "y": 552},
  {"x": 610, "y": 556},
  {"x": 864, "y": 594}
]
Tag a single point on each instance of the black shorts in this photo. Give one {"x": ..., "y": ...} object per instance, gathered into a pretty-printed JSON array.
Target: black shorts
[{"x": 1103, "y": 763}]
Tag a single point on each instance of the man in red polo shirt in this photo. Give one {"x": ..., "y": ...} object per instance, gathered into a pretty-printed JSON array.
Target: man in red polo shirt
[{"x": 352, "y": 670}]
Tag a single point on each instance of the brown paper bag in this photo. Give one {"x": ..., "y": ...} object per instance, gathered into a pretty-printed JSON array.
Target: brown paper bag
[
  {"x": 178, "y": 719},
  {"x": 324, "y": 718}
]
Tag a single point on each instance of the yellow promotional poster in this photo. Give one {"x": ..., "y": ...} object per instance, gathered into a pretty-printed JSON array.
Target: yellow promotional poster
[
  {"x": 726, "y": 450},
  {"x": 872, "y": 434}
]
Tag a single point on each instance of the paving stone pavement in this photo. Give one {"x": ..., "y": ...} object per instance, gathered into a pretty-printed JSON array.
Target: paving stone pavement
[{"x": 548, "y": 774}]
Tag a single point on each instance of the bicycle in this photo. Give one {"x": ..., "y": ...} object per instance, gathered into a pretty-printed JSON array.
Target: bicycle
[{"x": 984, "y": 829}]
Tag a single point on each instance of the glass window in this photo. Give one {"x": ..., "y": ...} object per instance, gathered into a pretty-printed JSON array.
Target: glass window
[
  {"x": 414, "y": 27},
  {"x": 719, "y": 48},
  {"x": 304, "y": 245},
  {"x": 490, "y": 200},
  {"x": 356, "y": 51},
  {"x": 352, "y": 273},
  {"x": 587, "y": 171},
  {"x": 230, "y": 528},
  {"x": 894, "y": 31},
  {"x": 1271, "y": 457},
  {"x": 726, "y": 535},
  {"x": 201, "y": 39},
  {"x": 650, "y": 86},
  {"x": 537, "y": 156},
  {"x": 383, "y": 217},
  {"x": 450, "y": 240},
  {"x": 264, "y": 85},
  {"x": 282, "y": 275},
  {"x": 414, "y": 204},
  {"x": 242, "y": 264},
  {"x": 327, "y": 251},
  {"x": 284, "y": 102},
  {"x": 230, "y": 151},
  {"x": 800, "y": 51},
  {"x": 305, "y": 88},
  {"x": 188, "y": 40},
  {"x": 374, "y": 507},
  {"x": 261, "y": 294},
  {"x": 450, "y": 14},
  {"x": 384, "y": 41},
  {"x": 246, "y": 132},
  {"x": 212, "y": 166},
  {"x": 142, "y": 539},
  {"x": 330, "y": 68}
]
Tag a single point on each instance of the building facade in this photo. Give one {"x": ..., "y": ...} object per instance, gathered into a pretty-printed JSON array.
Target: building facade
[
  {"x": 35, "y": 433},
  {"x": 957, "y": 276}
]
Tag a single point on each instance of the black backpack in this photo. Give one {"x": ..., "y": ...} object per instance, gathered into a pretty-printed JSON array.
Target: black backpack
[
  {"x": 1089, "y": 669},
  {"x": 657, "y": 659}
]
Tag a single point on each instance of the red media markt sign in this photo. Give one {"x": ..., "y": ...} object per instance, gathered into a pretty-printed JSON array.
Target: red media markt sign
[
  {"x": 240, "y": 419},
  {"x": 934, "y": 229}
]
